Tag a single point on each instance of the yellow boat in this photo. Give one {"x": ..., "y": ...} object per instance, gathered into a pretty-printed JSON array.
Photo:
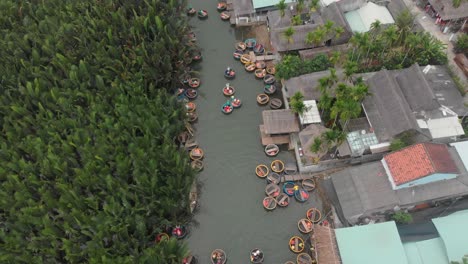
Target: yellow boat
[{"x": 296, "y": 244}]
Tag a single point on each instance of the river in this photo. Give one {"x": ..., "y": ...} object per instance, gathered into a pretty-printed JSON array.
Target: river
[{"x": 231, "y": 215}]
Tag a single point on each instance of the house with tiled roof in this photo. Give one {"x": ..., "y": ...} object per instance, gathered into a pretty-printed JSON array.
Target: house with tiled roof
[{"x": 417, "y": 175}]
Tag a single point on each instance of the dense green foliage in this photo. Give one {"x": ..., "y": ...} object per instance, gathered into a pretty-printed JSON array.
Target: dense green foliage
[
  {"x": 292, "y": 66},
  {"x": 89, "y": 171},
  {"x": 402, "y": 217},
  {"x": 461, "y": 46},
  {"x": 397, "y": 144}
]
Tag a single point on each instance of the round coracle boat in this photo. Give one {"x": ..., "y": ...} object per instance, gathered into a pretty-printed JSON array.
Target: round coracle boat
[
  {"x": 276, "y": 103},
  {"x": 197, "y": 165},
  {"x": 191, "y": 11},
  {"x": 202, "y": 14},
  {"x": 289, "y": 262},
  {"x": 245, "y": 58},
  {"x": 221, "y": 6},
  {"x": 192, "y": 37},
  {"x": 260, "y": 73},
  {"x": 197, "y": 56},
  {"x": 190, "y": 106},
  {"x": 277, "y": 166},
  {"x": 194, "y": 82},
  {"x": 314, "y": 215},
  {"x": 241, "y": 46},
  {"x": 250, "y": 67},
  {"x": 269, "y": 203},
  {"x": 229, "y": 73},
  {"x": 228, "y": 90},
  {"x": 263, "y": 99},
  {"x": 250, "y": 43},
  {"x": 269, "y": 79},
  {"x": 301, "y": 195},
  {"x": 190, "y": 260},
  {"x": 308, "y": 184},
  {"x": 272, "y": 190},
  {"x": 225, "y": 15},
  {"x": 262, "y": 170},
  {"x": 296, "y": 244},
  {"x": 271, "y": 70},
  {"x": 260, "y": 64},
  {"x": 304, "y": 258},
  {"x": 282, "y": 200},
  {"x": 269, "y": 89},
  {"x": 179, "y": 232},
  {"x": 271, "y": 150},
  {"x": 161, "y": 237},
  {"x": 289, "y": 188},
  {"x": 274, "y": 178},
  {"x": 218, "y": 256},
  {"x": 192, "y": 116},
  {"x": 191, "y": 93},
  {"x": 259, "y": 49},
  {"x": 235, "y": 102},
  {"x": 196, "y": 154},
  {"x": 305, "y": 226},
  {"x": 256, "y": 256},
  {"x": 237, "y": 54},
  {"x": 227, "y": 108}
]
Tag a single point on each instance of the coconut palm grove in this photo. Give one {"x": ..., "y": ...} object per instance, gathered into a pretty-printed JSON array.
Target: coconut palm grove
[{"x": 89, "y": 170}]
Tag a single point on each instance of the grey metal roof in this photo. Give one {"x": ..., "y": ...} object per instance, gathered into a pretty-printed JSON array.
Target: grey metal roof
[
  {"x": 280, "y": 121},
  {"x": 447, "y": 11},
  {"x": 308, "y": 84},
  {"x": 334, "y": 13},
  {"x": 386, "y": 108}
]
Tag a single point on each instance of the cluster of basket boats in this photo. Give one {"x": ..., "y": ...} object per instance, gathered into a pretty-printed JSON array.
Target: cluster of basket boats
[{"x": 203, "y": 14}]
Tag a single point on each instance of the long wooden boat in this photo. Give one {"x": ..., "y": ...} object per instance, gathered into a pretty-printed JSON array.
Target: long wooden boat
[
  {"x": 190, "y": 260},
  {"x": 269, "y": 89},
  {"x": 227, "y": 108},
  {"x": 269, "y": 203},
  {"x": 197, "y": 165},
  {"x": 161, "y": 237},
  {"x": 190, "y": 106},
  {"x": 276, "y": 103},
  {"x": 228, "y": 90},
  {"x": 290, "y": 168},
  {"x": 245, "y": 58},
  {"x": 179, "y": 232},
  {"x": 271, "y": 150},
  {"x": 274, "y": 178},
  {"x": 272, "y": 190},
  {"x": 260, "y": 65},
  {"x": 289, "y": 188},
  {"x": 304, "y": 258},
  {"x": 282, "y": 200},
  {"x": 271, "y": 70},
  {"x": 225, "y": 15},
  {"x": 277, "y": 166},
  {"x": 301, "y": 195},
  {"x": 259, "y": 49},
  {"x": 218, "y": 256},
  {"x": 237, "y": 54},
  {"x": 191, "y": 11},
  {"x": 308, "y": 184},
  {"x": 260, "y": 73},
  {"x": 256, "y": 256},
  {"x": 314, "y": 215},
  {"x": 241, "y": 46},
  {"x": 196, "y": 154},
  {"x": 305, "y": 226},
  {"x": 192, "y": 116},
  {"x": 193, "y": 197},
  {"x": 229, "y": 73},
  {"x": 269, "y": 79},
  {"x": 263, "y": 99},
  {"x": 183, "y": 137},
  {"x": 262, "y": 170},
  {"x": 221, "y": 6},
  {"x": 202, "y": 14},
  {"x": 296, "y": 244},
  {"x": 250, "y": 67},
  {"x": 236, "y": 102},
  {"x": 194, "y": 82},
  {"x": 191, "y": 93},
  {"x": 250, "y": 43}
]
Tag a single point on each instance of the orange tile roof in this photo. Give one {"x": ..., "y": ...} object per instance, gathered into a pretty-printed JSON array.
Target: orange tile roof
[{"x": 418, "y": 161}]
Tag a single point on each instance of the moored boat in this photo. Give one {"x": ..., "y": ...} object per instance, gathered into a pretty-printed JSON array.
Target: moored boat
[
  {"x": 277, "y": 166},
  {"x": 218, "y": 256},
  {"x": 289, "y": 262},
  {"x": 314, "y": 215},
  {"x": 262, "y": 99},
  {"x": 269, "y": 89},
  {"x": 272, "y": 190},
  {"x": 221, "y": 6},
  {"x": 245, "y": 58},
  {"x": 161, "y": 237},
  {"x": 260, "y": 73},
  {"x": 274, "y": 178},
  {"x": 229, "y": 73},
  {"x": 289, "y": 188},
  {"x": 260, "y": 64},
  {"x": 197, "y": 165},
  {"x": 235, "y": 102},
  {"x": 276, "y": 103},
  {"x": 196, "y": 154},
  {"x": 259, "y": 48},
  {"x": 191, "y": 93},
  {"x": 179, "y": 232},
  {"x": 183, "y": 137},
  {"x": 269, "y": 79},
  {"x": 269, "y": 203},
  {"x": 237, "y": 54},
  {"x": 190, "y": 260},
  {"x": 241, "y": 46},
  {"x": 271, "y": 150},
  {"x": 250, "y": 67},
  {"x": 271, "y": 70},
  {"x": 192, "y": 116},
  {"x": 308, "y": 184},
  {"x": 190, "y": 106},
  {"x": 194, "y": 82},
  {"x": 305, "y": 226},
  {"x": 256, "y": 256},
  {"x": 250, "y": 43},
  {"x": 301, "y": 195},
  {"x": 191, "y": 11},
  {"x": 262, "y": 170},
  {"x": 282, "y": 200},
  {"x": 202, "y": 14},
  {"x": 196, "y": 56},
  {"x": 191, "y": 144},
  {"x": 296, "y": 244},
  {"x": 304, "y": 258},
  {"x": 227, "y": 108},
  {"x": 225, "y": 15},
  {"x": 228, "y": 90}
]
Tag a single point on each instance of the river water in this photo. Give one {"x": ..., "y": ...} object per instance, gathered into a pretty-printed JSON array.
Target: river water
[{"x": 231, "y": 215}]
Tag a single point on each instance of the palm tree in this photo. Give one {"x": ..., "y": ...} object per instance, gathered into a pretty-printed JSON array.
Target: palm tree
[
  {"x": 314, "y": 6},
  {"x": 282, "y": 7},
  {"x": 335, "y": 58},
  {"x": 325, "y": 102},
  {"x": 316, "y": 145},
  {"x": 375, "y": 28},
  {"x": 339, "y": 30},
  {"x": 296, "y": 20},
  {"x": 328, "y": 26},
  {"x": 404, "y": 23},
  {"x": 298, "y": 96},
  {"x": 289, "y": 33},
  {"x": 410, "y": 43},
  {"x": 300, "y": 6},
  {"x": 389, "y": 35},
  {"x": 350, "y": 68},
  {"x": 298, "y": 107}
]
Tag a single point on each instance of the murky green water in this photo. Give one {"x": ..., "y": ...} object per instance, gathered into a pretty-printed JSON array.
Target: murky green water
[{"x": 231, "y": 215}]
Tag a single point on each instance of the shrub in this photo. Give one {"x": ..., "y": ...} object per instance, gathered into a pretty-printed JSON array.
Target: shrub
[
  {"x": 402, "y": 218},
  {"x": 292, "y": 66},
  {"x": 461, "y": 46}
]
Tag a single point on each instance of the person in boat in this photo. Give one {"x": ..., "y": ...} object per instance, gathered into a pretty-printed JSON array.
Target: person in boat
[
  {"x": 229, "y": 71},
  {"x": 177, "y": 231},
  {"x": 256, "y": 255}
]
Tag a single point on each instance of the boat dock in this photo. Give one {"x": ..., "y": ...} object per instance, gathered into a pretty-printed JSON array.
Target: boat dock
[
  {"x": 296, "y": 177},
  {"x": 254, "y": 58}
]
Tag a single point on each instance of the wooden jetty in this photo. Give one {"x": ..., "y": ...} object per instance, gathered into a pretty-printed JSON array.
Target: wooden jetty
[
  {"x": 290, "y": 168},
  {"x": 296, "y": 177},
  {"x": 254, "y": 58}
]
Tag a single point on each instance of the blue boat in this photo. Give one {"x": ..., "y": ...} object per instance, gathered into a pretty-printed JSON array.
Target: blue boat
[
  {"x": 229, "y": 73},
  {"x": 227, "y": 108},
  {"x": 237, "y": 54},
  {"x": 289, "y": 188},
  {"x": 259, "y": 49},
  {"x": 301, "y": 195},
  {"x": 250, "y": 43}
]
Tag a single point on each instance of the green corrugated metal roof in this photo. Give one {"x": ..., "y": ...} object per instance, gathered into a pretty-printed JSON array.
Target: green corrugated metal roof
[
  {"x": 266, "y": 3},
  {"x": 431, "y": 251},
  {"x": 453, "y": 230},
  {"x": 376, "y": 243}
]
